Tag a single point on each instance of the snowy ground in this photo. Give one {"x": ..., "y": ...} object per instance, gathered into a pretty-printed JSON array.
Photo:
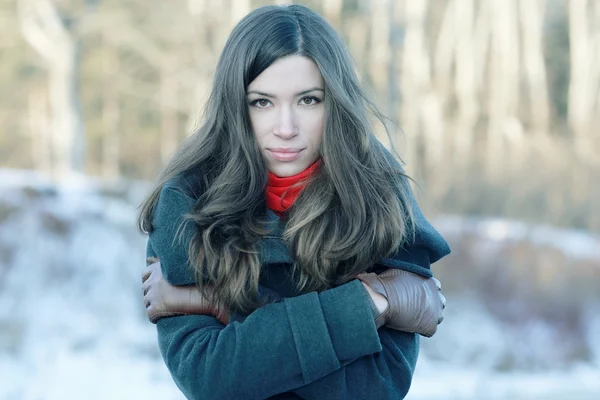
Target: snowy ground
[{"x": 72, "y": 324}]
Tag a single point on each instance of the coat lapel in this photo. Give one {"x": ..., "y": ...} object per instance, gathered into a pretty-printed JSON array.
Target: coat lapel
[{"x": 273, "y": 249}]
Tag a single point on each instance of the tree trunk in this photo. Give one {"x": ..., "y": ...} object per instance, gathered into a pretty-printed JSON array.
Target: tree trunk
[
  {"x": 239, "y": 9},
  {"x": 532, "y": 17},
  {"x": 416, "y": 76},
  {"x": 111, "y": 116},
  {"x": 196, "y": 7},
  {"x": 169, "y": 117},
  {"x": 39, "y": 125},
  {"x": 465, "y": 84},
  {"x": 581, "y": 85},
  {"x": 358, "y": 33},
  {"x": 444, "y": 53},
  {"x": 504, "y": 81},
  {"x": 44, "y": 28},
  {"x": 481, "y": 42},
  {"x": 393, "y": 70},
  {"x": 595, "y": 135},
  {"x": 68, "y": 123},
  {"x": 332, "y": 10},
  {"x": 379, "y": 56}
]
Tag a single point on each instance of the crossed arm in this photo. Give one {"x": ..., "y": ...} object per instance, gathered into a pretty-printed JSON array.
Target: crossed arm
[
  {"x": 317, "y": 345},
  {"x": 401, "y": 300}
]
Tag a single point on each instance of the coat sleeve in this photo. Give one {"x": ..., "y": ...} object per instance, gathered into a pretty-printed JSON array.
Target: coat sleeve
[
  {"x": 384, "y": 375},
  {"x": 387, "y": 374},
  {"x": 278, "y": 348}
]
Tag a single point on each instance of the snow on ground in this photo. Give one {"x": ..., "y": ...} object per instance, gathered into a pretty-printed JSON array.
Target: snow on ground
[
  {"x": 72, "y": 324},
  {"x": 576, "y": 244},
  {"x": 435, "y": 381}
]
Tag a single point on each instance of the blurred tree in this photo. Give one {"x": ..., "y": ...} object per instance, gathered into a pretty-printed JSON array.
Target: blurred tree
[
  {"x": 47, "y": 30},
  {"x": 584, "y": 87},
  {"x": 504, "y": 96},
  {"x": 498, "y": 100},
  {"x": 111, "y": 116},
  {"x": 531, "y": 18}
]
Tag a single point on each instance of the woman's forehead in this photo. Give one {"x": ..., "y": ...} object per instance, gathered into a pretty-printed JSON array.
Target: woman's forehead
[{"x": 288, "y": 75}]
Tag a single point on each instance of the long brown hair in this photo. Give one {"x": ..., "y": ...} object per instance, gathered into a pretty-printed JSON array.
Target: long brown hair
[{"x": 352, "y": 212}]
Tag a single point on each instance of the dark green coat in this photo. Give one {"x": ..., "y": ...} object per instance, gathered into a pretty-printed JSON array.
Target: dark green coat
[{"x": 311, "y": 346}]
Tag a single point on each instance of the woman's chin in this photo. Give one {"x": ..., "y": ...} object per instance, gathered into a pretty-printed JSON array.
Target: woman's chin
[{"x": 283, "y": 170}]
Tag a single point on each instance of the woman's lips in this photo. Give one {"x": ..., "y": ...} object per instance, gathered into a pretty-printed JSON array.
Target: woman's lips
[{"x": 285, "y": 154}]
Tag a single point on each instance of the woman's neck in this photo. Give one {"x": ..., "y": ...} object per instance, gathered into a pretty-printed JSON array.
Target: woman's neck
[{"x": 282, "y": 192}]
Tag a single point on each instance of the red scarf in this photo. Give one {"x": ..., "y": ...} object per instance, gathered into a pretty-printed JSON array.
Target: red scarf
[{"x": 282, "y": 192}]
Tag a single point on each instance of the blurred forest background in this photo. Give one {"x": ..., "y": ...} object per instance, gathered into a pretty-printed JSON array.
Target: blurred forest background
[
  {"x": 496, "y": 106},
  {"x": 498, "y": 100}
]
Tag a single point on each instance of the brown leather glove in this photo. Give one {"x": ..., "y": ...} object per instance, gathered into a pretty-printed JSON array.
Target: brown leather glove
[
  {"x": 416, "y": 304},
  {"x": 165, "y": 300}
]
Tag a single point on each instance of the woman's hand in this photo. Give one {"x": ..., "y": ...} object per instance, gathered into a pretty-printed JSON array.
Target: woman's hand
[
  {"x": 416, "y": 304},
  {"x": 165, "y": 300},
  {"x": 380, "y": 302}
]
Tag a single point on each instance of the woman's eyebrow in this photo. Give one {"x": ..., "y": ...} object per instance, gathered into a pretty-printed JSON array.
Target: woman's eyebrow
[
  {"x": 297, "y": 94},
  {"x": 260, "y": 93},
  {"x": 310, "y": 90}
]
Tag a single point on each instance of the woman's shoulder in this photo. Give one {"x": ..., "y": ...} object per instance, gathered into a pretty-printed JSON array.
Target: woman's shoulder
[
  {"x": 190, "y": 183},
  {"x": 178, "y": 196},
  {"x": 172, "y": 231}
]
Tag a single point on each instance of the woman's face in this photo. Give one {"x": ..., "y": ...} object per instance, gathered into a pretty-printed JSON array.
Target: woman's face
[{"x": 287, "y": 113}]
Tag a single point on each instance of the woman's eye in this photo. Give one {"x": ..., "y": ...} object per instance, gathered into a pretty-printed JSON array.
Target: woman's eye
[
  {"x": 261, "y": 103},
  {"x": 309, "y": 101}
]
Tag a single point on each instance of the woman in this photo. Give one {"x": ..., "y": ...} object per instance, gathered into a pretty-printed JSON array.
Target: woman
[{"x": 272, "y": 209}]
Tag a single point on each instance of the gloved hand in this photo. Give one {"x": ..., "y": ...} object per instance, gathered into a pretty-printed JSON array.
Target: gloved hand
[
  {"x": 165, "y": 300},
  {"x": 416, "y": 303}
]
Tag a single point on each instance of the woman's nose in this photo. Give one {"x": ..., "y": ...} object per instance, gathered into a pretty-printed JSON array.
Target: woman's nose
[{"x": 286, "y": 127}]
